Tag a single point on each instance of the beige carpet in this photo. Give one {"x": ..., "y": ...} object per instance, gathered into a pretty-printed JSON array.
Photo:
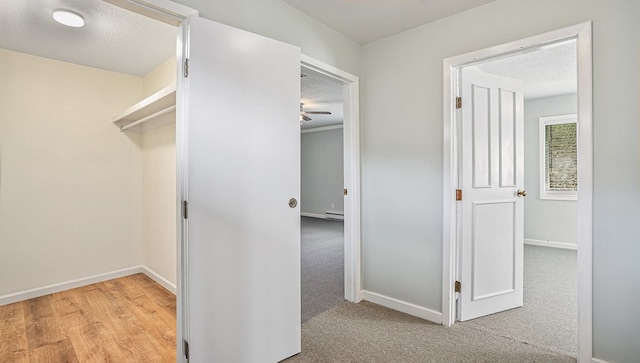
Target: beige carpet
[{"x": 367, "y": 332}]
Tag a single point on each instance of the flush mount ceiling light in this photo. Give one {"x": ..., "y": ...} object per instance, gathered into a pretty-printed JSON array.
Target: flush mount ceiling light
[{"x": 68, "y": 18}]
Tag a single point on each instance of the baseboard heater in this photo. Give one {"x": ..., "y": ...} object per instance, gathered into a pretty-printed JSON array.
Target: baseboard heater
[{"x": 334, "y": 215}]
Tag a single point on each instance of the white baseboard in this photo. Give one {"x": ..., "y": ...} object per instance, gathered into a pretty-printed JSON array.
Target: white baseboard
[
  {"x": 596, "y": 360},
  {"x": 313, "y": 215},
  {"x": 403, "y": 306},
  {"x": 159, "y": 279},
  {"x": 67, "y": 285},
  {"x": 324, "y": 128},
  {"x": 335, "y": 215},
  {"x": 538, "y": 242}
]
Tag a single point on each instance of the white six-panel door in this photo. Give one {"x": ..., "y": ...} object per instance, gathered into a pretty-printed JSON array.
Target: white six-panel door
[
  {"x": 239, "y": 143},
  {"x": 492, "y": 150}
]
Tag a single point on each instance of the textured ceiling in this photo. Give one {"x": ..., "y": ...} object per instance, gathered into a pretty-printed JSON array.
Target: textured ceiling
[
  {"x": 549, "y": 71},
  {"x": 112, "y": 39},
  {"x": 321, "y": 93},
  {"x": 367, "y": 20}
]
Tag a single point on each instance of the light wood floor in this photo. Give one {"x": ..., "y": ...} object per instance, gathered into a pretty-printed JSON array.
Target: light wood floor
[{"x": 130, "y": 319}]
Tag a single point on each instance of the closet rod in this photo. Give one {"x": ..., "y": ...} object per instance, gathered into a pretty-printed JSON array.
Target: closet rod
[{"x": 147, "y": 118}]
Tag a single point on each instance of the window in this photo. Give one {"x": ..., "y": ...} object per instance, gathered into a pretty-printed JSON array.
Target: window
[{"x": 559, "y": 157}]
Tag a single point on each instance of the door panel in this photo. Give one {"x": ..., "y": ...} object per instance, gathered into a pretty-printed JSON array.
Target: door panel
[
  {"x": 240, "y": 136},
  {"x": 508, "y": 152},
  {"x": 493, "y": 249},
  {"x": 481, "y": 137},
  {"x": 492, "y": 237}
]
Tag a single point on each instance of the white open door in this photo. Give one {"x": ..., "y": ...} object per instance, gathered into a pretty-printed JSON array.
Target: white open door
[
  {"x": 238, "y": 142},
  {"x": 492, "y": 173}
]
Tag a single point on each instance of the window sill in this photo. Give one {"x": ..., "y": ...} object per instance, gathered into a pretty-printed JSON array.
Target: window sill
[{"x": 564, "y": 196}]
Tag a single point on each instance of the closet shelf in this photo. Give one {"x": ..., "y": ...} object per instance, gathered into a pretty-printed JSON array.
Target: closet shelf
[{"x": 154, "y": 111}]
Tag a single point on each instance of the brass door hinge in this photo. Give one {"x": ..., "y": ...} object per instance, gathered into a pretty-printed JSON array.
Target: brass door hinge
[
  {"x": 458, "y": 286},
  {"x": 458, "y": 194},
  {"x": 345, "y": 192},
  {"x": 458, "y": 102}
]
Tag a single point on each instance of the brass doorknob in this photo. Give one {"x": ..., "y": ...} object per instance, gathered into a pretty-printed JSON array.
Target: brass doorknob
[{"x": 521, "y": 193}]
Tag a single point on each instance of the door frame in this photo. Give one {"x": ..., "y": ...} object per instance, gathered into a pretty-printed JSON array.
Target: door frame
[
  {"x": 450, "y": 251},
  {"x": 351, "y": 161}
]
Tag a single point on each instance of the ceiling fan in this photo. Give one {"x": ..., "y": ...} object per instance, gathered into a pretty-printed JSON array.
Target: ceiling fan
[{"x": 304, "y": 117}]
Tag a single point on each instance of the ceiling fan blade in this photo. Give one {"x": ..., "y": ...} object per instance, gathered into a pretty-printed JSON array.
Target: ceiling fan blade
[
  {"x": 318, "y": 112},
  {"x": 306, "y": 118}
]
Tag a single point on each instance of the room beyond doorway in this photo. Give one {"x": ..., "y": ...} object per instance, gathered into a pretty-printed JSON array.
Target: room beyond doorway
[{"x": 322, "y": 202}]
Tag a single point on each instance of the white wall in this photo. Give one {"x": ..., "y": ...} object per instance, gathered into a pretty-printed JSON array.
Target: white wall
[
  {"x": 545, "y": 220},
  {"x": 322, "y": 171},
  {"x": 402, "y": 153},
  {"x": 159, "y": 185},
  {"x": 277, "y": 20},
  {"x": 159, "y": 78},
  {"x": 71, "y": 184}
]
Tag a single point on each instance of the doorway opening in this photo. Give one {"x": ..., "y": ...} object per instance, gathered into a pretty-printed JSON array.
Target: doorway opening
[
  {"x": 452, "y": 248},
  {"x": 549, "y": 226},
  {"x": 343, "y": 100},
  {"x": 321, "y": 193}
]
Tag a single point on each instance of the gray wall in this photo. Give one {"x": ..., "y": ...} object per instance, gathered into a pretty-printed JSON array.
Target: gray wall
[
  {"x": 402, "y": 157},
  {"x": 547, "y": 220},
  {"x": 322, "y": 171}
]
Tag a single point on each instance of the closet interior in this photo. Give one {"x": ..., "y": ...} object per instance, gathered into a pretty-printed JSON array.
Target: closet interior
[{"x": 82, "y": 200}]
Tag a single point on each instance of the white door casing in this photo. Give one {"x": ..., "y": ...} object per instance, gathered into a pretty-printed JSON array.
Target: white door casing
[
  {"x": 492, "y": 171},
  {"x": 238, "y": 140}
]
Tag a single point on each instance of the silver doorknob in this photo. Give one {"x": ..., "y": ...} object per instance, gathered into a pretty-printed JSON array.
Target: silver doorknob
[{"x": 521, "y": 193}]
